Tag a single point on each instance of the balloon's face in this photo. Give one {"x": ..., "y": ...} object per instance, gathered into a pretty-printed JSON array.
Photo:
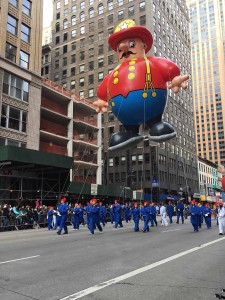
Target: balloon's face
[{"x": 130, "y": 48}]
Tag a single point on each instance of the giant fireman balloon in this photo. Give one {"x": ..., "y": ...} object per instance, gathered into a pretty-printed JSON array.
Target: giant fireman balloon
[{"x": 136, "y": 90}]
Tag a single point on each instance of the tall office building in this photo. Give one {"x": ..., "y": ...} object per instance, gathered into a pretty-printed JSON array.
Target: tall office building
[
  {"x": 81, "y": 58},
  {"x": 20, "y": 68},
  {"x": 207, "y": 29}
]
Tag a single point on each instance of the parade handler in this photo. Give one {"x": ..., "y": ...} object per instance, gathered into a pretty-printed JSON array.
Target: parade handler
[{"x": 136, "y": 89}]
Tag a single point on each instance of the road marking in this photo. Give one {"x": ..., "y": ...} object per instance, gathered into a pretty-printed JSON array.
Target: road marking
[
  {"x": 9, "y": 261},
  {"x": 171, "y": 230},
  {"x": 104, "y": 284}
]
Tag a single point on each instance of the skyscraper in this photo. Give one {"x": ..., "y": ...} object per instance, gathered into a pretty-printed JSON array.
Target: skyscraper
[
  {"x": 208, "y": 76},
  {"x": 81, "y": 58},
  {"x": 20, "y": 68}
]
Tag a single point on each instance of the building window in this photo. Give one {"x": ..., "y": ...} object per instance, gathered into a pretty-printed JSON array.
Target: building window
[
  {"x": 100, "y": 76},
  {"x": 82, "y": 16},
  {"x": 130, "y": 11},
  {"x": 120, "y": 2},
  {"x": 81, "y": 68},
  {"x": 64, "y": 73},
  {"x": 91, "y": 52},
  {"x": 12, "y": 25},
  {"x": 82, "y": 43},
  {"x": 64, "y": 49},
  {"x": 73, "y": 9},
  {"x": 82, "y": 5},
  {"x": 73, "y": 33},
  {"x": 72, "y": 71},
  {"x": 82, "y": 30},
  {"x": 56, "y": 52},
  {"x": 24, "y": 59},
  {"x": 10, "y": 52},
  {"x": 91, "y": 79},
  {"x": 65, "y": 24},
  {"x": 101, "y": 23},
  {"x": 58, "y": 16},
  {"x": 66, "y": 11},
  {"x": 64, "y": 61},
  {"x": 73, "y": 46},
  {"x": 72, "y": 84},
  {"x": 110, "y": 19},
  {"x": 100, "y": 49},
  {"x": 91, "y": 93},
  {"x": 64, "y": 85},
  {"x": 57, "y": 27},
  {"x": 57, "y": 39},
  {"x": 91, "y": 26},
  {"x": 100, "y": 9},
  {"x": 15, "y": 87},
  {"x": 73, "y": 58},
  {"x": 73, "y": 20},
  {"x": 91, "y": 65},
  {"x": 100, "y": 63},
  {"x": 14, "y": 2},
  {"x": 110, "y": 4},
  {"x": 25, "y": 33},
  {"x": 120, "y": 15},
  {"x": 142, "y": 20},
  {"x": 82, "y": 81},
  {"x": 91, "y": 40},
  {"x": 65, "y": 36},
  {"x": 142, "y": 6},
  {"x": 58, "y": 5},
  {"x": 13, "y": 118},
  {"x": 56, "y": 77},
  {"x": 110, "y": 59},
  {"x": 82, "y": 55},
  {"x": 57, "y": 64},
  {"x": 81, "y": 93},
  {"x": 65, "y": 2},
  {"x": 100, "y": 36},
  {"x": 91, "y": 12},
  {"x": 26, "y": 7}
]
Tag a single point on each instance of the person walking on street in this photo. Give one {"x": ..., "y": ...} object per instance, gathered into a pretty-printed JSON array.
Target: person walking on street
[
  {"x": 94, "y": 216},
  {"x": 207, "y": 212},
  {"x": 50, "y": 217},
  {"x": 127, "y": 212},
  {"x": 163, "y": 215},
  {"x": 63, "y": 210},
  {"x": 145, "y": 213},
  {"x": 170, "y": 210},
  {"x": 118, "y": 214},
  {"x": 221, "y": 218},
  {"x": 194, "y": 211},
  {"x": 153, "y": 212},
  {"x": 180, "y": 212},
  {"x": 135, "y": 213},
  {"x": 102, "y": 213}
]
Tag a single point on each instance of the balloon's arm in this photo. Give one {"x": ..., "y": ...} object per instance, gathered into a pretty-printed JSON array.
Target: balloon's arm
[
  {"x": 101, "y": 105},
  {"x": 178, "y": 82}
]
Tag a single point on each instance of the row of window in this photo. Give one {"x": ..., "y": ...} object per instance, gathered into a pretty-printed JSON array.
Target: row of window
[
  {"x": 26, "y": 6},
  {"x": 13, "y": 118},
  {"x": 110, "y": 5},
  {"x": 91, "y": 11},
  {"x": 15, "y": 87},
  {"x": 12, "y": 27},
  {"x": 11, "y": 52},
  {"x": 9, "y": 142}
]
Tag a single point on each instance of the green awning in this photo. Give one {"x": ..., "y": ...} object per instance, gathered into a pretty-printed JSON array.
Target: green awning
[{"x": 22, "y": 155}]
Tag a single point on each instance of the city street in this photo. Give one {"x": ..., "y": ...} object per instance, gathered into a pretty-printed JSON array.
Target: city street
[{"x": 168, "y": 263}]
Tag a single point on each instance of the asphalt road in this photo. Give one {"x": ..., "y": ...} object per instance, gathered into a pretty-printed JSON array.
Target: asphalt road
[{"x": 167, "y": 263}]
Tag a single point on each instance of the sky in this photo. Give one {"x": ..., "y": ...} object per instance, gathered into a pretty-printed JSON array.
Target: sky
[{"x": 47, "y": 12}]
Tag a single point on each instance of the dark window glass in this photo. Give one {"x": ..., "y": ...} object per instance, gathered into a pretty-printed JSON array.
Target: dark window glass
[{"x": 10, "y": 52}]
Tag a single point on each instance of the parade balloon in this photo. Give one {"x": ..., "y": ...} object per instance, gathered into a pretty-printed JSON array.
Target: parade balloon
[
  {"x": 136, "y": 90},
  {"x": 223, "y": 183}
]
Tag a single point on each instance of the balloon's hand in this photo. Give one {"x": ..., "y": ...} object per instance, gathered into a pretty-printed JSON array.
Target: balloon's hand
[
  {"x": 101, "y": 105},
  {"x": 178, "y": 82}
]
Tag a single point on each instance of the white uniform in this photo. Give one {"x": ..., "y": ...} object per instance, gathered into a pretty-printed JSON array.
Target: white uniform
[
  {"x": 163, "y": 215},
  {"x": 221, "y": 220}
]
